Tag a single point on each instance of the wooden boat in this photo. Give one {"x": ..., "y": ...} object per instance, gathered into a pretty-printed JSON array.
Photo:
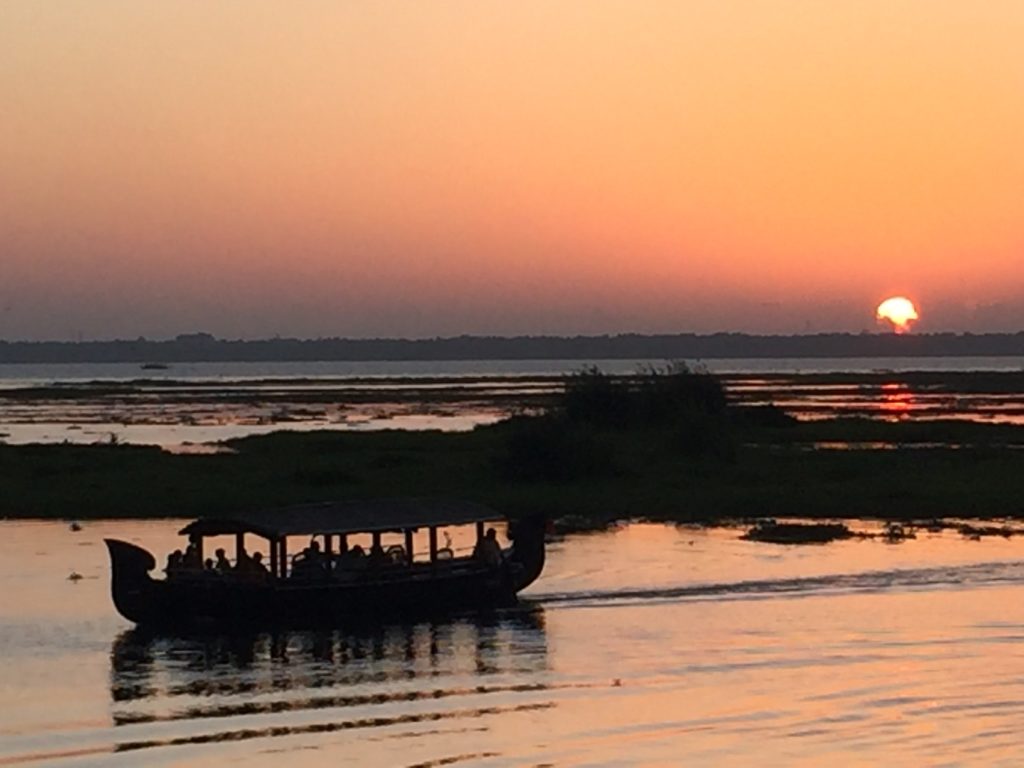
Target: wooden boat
[{"x": 329, "y": 584}]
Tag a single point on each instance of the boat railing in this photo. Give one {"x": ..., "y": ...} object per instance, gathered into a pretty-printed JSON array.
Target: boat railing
[{"x": 208, "y": 576}]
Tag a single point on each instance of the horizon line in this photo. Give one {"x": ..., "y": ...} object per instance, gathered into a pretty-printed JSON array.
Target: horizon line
[{"x": 202, "y": 337}]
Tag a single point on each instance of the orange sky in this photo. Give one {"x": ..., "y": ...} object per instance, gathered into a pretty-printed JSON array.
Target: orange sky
[{"x": 321, "y": 168}]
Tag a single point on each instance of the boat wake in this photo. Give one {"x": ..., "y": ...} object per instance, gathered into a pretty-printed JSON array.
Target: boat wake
[{"x": 967, "y": 576}]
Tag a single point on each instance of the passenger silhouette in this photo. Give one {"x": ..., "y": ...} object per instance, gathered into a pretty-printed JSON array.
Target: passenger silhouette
[
  {"x": 223, "y": 564},
  {"x": 488, "y": 549}
]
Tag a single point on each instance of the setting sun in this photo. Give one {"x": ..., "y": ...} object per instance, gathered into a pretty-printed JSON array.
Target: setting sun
[{"x": 899, "y": 311}]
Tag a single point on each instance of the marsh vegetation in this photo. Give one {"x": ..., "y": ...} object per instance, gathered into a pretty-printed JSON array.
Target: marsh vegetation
[{"x": 664, "y": 444}]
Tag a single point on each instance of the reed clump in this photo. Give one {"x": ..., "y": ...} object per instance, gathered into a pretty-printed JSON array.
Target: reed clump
[{"x": 592, "y": 430}]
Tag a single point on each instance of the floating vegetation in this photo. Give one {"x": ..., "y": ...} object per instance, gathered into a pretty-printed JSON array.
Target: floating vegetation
[
  {"x": 774, "y": 532},
  {"x": 893, "y": 533},
  {"x": 567, "y": 524},
  {"x": 977, "y": 532}
]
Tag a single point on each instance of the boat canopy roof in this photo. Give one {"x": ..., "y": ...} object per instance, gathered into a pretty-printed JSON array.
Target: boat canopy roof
[{"x": 336, "y": 517}]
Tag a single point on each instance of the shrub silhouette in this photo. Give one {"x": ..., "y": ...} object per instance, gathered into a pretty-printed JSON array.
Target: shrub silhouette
[
  {"x": 677, "y": 391},
  {"x": 593, "y": 397},
  {"x": 682, "y": 410},
  {"x": 654, "y": 396}
]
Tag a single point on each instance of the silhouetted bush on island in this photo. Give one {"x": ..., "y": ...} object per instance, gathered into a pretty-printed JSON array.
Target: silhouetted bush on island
[
  {"x": 593, "y": 397},
  {"x": 689, "y": 404},
  {"x": 674, "y": 409},
  {"x": 654, "y": 396}
]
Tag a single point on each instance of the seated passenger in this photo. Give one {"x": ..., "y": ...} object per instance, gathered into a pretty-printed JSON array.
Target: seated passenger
[
  {"x": 191, "y": 561},
  {"x": 308, "y": 564},
  {"x": 312, "y": 554},
  {"x": 250, "y": 567},
  {"x": 353, "y": 560},
  {"x": 337, "y": 559},
  {"x": 377, "y": 555},
  {"x": 223, "y": 564},
  {"x": 488, "y": 549},
  {"x": 256, "y": 567},
  {"x": 243, "y": 563},
  {"x": 173, "y": 563}
]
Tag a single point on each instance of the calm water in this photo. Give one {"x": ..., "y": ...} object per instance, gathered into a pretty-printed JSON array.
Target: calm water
[
  {"x": 202, "y": 403},
  {"x": 42, "y": 373},
  {"x": 650, "y": 645}
]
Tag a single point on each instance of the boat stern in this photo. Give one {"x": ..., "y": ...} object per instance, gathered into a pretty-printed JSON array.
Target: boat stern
[{"x": 527, "y": 551}]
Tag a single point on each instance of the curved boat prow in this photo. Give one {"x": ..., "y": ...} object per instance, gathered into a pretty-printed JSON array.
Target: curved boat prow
[
  {"x": 130, "y": 583},
  {"x": 527, "y": 535},
  {"x": 128, "y": 559}
]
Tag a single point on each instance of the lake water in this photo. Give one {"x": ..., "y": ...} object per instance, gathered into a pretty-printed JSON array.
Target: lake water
[
  {"x": 197, "y": 404},
  {"x": 647, "y": 645},
  {"x": 48, "y": 372}
]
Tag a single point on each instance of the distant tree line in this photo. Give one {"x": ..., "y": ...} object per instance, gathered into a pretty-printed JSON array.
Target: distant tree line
[{"x": 203, "y": 347}]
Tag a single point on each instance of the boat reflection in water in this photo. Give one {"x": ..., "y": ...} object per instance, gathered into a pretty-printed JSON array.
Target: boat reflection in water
[{"x": 204, "y": 690}]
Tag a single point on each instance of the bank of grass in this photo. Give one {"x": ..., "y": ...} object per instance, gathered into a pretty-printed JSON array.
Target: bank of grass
[{"x": 665, "y": 446}]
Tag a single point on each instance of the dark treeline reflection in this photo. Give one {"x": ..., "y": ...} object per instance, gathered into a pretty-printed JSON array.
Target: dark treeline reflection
[{"x": 224, "y": 675}]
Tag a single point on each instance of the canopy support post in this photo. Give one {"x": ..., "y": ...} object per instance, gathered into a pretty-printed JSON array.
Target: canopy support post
[
  {"x": 408, "y": 545},
  {"x": 433, "y": 545}
]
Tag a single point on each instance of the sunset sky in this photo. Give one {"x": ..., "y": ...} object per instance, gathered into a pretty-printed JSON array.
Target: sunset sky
[{"x": 254, "y": 168}]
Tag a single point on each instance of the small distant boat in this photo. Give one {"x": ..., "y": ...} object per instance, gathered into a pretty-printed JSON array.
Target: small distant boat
[
  {"x": 328, "y": 585},
  {"x": 154, "y": 366}
]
